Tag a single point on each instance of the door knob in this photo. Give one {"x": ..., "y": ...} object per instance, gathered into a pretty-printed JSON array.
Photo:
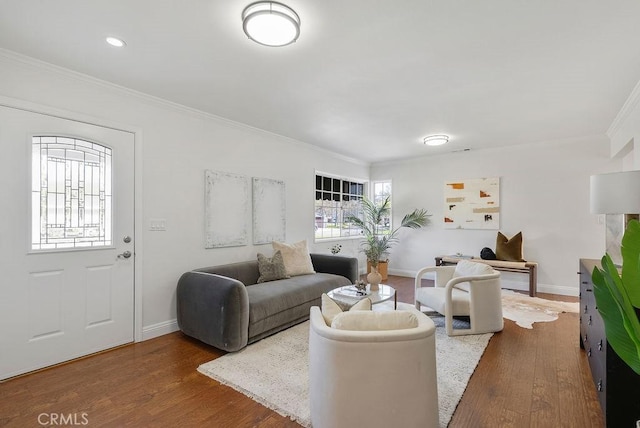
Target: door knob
[{"x": 124, "y": 255}]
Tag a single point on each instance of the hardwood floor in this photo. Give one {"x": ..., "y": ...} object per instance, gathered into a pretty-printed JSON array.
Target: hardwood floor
[{"x": 526, "y": 378}]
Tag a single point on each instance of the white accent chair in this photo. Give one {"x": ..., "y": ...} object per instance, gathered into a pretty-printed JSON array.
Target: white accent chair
[
  {"x": 360, "y": 377},
  {"x": 466, "y": 289}
]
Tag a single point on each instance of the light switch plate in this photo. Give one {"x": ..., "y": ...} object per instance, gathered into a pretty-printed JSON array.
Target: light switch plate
[{"x": 157, "y": 224}]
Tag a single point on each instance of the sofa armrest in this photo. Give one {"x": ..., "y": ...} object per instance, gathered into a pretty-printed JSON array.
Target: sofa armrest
[
  {"x": 214, "y": 309},
  {"x": 339, "y": 265}
]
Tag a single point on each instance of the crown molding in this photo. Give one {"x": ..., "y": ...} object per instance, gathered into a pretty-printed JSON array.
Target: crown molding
[
  {"x": 24, "y": 60},
  {"x": 627, "y": 108}
]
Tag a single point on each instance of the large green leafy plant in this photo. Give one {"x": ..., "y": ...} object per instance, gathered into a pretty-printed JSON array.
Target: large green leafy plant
[
  {"x": 618, "y": 295},
  {"x": 378, "y": 240}
]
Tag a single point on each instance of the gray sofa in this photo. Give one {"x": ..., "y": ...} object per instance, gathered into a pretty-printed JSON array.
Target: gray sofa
[{"x": 224, "y": 306}]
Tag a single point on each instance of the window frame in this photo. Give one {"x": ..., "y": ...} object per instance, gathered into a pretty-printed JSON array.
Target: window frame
[
  {"x": 378, "y": 197},
  {"x": 339, "y": 211}
]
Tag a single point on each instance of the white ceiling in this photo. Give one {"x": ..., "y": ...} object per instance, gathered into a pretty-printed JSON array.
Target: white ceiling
[{"x": 367, "y": 78}]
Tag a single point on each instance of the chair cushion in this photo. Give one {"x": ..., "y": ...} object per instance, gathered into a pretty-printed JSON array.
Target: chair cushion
[
  {"x": 434, "y": 297},
  {"x": 331, "y": 309},
  {"x": 468, "y": 268},
  {"x": 375, "y": 321}
]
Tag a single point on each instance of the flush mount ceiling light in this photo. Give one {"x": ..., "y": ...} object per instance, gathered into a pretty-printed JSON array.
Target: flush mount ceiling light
[
  {"x": 436, "y": 140},
  {"x": 271, "y": 23},
  {"x": 114, "y": 41}
]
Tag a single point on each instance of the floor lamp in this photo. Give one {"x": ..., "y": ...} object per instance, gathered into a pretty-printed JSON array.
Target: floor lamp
[{"x": 617, "y": 196}]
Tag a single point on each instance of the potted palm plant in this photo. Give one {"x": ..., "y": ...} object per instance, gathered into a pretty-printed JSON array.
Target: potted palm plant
[{"x": 378, "y": 237}]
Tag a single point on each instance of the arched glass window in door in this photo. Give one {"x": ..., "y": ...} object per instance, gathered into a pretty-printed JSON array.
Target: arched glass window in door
[{"x": 70, "y": 194}]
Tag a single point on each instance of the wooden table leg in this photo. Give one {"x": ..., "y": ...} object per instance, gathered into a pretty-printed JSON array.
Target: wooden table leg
[{"x": 533, "y": 280}]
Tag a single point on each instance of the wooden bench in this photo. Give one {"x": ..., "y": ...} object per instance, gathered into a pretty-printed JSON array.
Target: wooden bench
[{"x": 530, "y": 268}]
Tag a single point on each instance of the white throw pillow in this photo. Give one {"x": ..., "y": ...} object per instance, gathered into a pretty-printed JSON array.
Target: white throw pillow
[
  {"x": 467, "y": 268},
  {"x": 331, "y": 309},
  {"x": 297, "y": 260},
  {"x": 375, "y": 321}
]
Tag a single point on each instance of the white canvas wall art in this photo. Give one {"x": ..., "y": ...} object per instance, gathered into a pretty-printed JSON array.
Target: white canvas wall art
[
  {"x": 269, "y": 211},
  {"x": 472, "y": 204},
  {"x": 226, "y": 209}
]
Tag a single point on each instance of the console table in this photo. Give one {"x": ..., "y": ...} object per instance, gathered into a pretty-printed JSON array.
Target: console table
[{"x": 530, "y": 268}]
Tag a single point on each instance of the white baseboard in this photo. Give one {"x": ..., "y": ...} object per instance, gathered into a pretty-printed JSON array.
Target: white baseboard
[{"x": 159, "y": 329}]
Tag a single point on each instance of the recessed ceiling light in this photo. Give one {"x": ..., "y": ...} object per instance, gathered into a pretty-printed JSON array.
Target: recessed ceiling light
[
  {"x": 436, "y": 140},
  {"x": 271, "y": 23},
  {"x": 114, "y": 41}
]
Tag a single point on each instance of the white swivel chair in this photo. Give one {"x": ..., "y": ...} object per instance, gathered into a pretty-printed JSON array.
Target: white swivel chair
[
  {"x": 467, "y": 289},
  {"x": 373, "y": 369}
]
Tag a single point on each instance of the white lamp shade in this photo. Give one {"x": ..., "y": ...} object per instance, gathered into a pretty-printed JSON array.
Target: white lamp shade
[{"x": 616, "y": 193}]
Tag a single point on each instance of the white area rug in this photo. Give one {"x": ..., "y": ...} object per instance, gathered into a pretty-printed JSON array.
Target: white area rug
[
  {"x": 525, "y": 310},
  {"x": 274, "y": 371}
]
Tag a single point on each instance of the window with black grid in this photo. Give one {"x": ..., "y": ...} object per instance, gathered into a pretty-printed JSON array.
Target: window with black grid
[{"x": 335, "y": 199}]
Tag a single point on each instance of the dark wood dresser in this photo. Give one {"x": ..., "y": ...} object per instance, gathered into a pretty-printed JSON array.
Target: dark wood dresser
[{"x": 618, "y": 386}]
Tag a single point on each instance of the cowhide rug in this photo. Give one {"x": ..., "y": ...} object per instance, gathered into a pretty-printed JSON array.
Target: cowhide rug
[{"x": 525, "y": 310}]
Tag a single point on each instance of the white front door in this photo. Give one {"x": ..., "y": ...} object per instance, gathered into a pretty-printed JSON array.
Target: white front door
[{"x": 66, "y": 240}]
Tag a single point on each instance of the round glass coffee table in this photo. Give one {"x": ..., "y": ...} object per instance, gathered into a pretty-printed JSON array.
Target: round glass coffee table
[{"x": 349, "y": 295}]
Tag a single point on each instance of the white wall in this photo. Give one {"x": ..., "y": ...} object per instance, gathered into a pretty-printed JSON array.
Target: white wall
[
  {"x": 178, "y": 145},
  {"x": 544, "y": 192}
]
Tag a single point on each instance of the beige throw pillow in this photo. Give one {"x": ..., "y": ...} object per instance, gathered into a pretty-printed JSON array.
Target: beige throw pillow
[
  {"x": 296, "y": 257},
  {"x": 331, "y": 309}
]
